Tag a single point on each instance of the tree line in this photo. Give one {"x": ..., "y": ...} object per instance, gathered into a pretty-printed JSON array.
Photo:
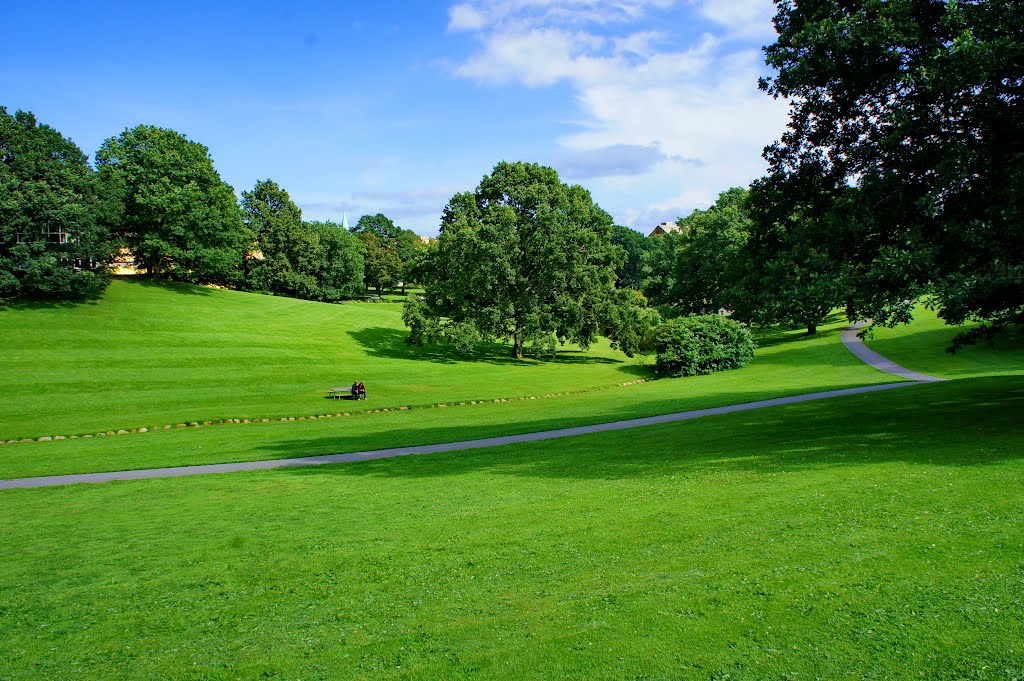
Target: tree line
[
  {"x": 899, "y": 179},
  {"x": 157, "y": 194}
]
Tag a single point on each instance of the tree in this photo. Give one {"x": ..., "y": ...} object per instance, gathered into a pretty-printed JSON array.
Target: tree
[
  {"x": 706, "y": 259},
  {"x": 341, "y": 272},
  {"x": 381, "y": 265},
  {"x": 290, "y": 254},
  {"x": 394, "y": 256},
  {"x": 54, "y": 231},
  {"x": 919, "y": 105},
  {"x": 523, "y": 258},
  {"x": 629, "y": 274},
  {"x": 379, "y": 224},
  {"x": 179, "y": 218}
]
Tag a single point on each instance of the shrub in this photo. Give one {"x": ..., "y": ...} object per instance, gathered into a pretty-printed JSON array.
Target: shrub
[{"x": 690, "y": 346}]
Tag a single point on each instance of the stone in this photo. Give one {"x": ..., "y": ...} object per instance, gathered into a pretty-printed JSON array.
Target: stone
[
  {"x": 59, "y": 437},
  {"x": 45, "y": 438},
  {"x": 143, "y": 430},
  {"x": 122, "y": 432}
]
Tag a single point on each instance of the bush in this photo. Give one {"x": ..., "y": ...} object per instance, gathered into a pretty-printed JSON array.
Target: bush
[{"x": 691, "y": 346}]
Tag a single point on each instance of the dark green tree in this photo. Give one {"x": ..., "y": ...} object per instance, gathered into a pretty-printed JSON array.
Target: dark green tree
[
  {"x": 379, "y": 224},
  {"x": 341, "y": 273},
  {"x": 178, "y": 217},
  {"x": 54, "y": 224},
  {"x": 920, "y": 106},
  {"x": 381, "y": 265},
  {"x": 707, "y": 259},
  {"x": 630, "y": 273},
  {"x": 523, "y": 258},
  {"x": 289, "y": 255}
]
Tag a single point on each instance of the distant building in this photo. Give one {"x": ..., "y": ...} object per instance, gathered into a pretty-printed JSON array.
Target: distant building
[{"x": 666, "y": 228}]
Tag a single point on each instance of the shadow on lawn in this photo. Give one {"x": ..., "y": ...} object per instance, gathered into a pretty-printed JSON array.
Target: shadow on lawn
[
  {"x": 961, "y": 423},
  {"x": 387, "y": 343},
  {"x": 173, "y": 286}
]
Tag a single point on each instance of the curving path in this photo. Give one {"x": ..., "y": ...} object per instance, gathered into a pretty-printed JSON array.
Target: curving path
[{"x": 849, "y": 338}]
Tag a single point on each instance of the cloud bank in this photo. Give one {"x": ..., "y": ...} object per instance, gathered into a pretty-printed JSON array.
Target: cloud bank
[{"x": 666, "y": 91}]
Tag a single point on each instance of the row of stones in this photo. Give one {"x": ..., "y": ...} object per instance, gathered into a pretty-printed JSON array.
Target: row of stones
[{"x": 197, "y": 424}]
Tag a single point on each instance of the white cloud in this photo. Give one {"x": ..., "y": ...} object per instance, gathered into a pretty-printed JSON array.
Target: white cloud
[
  {"x": 465, "y": 18},
  {"x": 640, "y": 85}
]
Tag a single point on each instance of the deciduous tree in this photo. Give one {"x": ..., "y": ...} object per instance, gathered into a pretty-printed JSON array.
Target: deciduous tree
[
  {"x": 178, "y": 217},
  {"x": 523, "y": 258},
  {"x": 54, "y": 230},
  {"x": 920, "y": 105}
]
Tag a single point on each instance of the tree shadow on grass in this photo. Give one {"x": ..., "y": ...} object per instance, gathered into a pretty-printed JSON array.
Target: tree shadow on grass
[
  {"x": 389, "y": 343},
  {"x": 959, "y": 423},
  {"x": 20, "y": 305},
  {"x": 173, "y": 286}
]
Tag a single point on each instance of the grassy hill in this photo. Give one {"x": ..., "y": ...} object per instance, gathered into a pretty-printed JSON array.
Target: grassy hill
[
  {"x": 146, "y": 356},
  {"x": 875, "y": 536}
]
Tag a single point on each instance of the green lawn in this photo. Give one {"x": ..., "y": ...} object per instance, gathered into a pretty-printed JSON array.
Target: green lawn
[
  {"x": 922, "y": 345},
  {"x": 786, "y": 364},
  {"x": 146, "y": 355},
  {"x": 877, "y": 536}
]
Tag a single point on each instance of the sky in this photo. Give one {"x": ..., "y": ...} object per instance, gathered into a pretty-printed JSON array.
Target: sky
[{"x": 394, "y": 107}]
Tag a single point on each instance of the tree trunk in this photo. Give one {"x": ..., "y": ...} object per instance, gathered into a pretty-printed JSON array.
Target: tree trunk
[
  {"x": 517, "y": 346},
  {"x": 812, "y": 328}
]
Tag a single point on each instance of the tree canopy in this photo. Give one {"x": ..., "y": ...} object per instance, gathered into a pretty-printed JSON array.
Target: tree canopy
[
  {"x": 523, "y": 258},
  {"x": 311, "y": 260},
  {"x": 178, "y": 217},
  {"x": 918, "y": 107},
  {"x": 54, "y": 231}
]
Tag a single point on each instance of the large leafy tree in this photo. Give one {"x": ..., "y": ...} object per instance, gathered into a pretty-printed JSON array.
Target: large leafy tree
[
  {"x": 707, "y": 259},
  {"x": 523, "y": 258},
  {"x": 179, "y": 218},
  {"x": 54, "y": 232},
  {"x": 392, "y": 253},
  {"x": 288, "y": 254},
  {"x": 919, "y": 105},
  {"x": 629, "y": 274},
  {"x": 341, "y": 270}
]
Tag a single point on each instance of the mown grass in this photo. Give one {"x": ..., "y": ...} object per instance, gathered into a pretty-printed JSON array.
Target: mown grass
[
  {"x": 921, "y": 345},
  {"x": 148, "y": 354},
  {"x": 786, "y": 364},
  {"x": 877, "y": 536}
]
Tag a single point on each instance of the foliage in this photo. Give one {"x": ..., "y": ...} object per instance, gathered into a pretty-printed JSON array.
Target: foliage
[
  {"x": 393, "y": 253},
  {"x": 341, "y": 268},
  {"x": 786, "y": 274},
  {"x": 704, "y": 259},
  {"x": 702, "y": 344},
  {"x": 180, "y": 220},
  {"x": 657, "y": 265},
  {"x": 524, "y": 257},
  {"x": 920, "y": 106},
  {"x": 629, "y": 274},
  {"x": 381, "y": 265},
  {"x": 54, "y": 231}
]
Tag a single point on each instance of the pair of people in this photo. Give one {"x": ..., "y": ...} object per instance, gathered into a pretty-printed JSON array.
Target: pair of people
[{"x": 358, "y": 391}]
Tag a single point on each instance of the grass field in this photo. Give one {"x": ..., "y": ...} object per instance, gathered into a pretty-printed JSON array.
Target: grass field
[
  {"x": 147, "y": 354},
  {"x": 878, "y": 536},
  {"x": 922, "y": 346},
  {"x": 786, "y": 364}
]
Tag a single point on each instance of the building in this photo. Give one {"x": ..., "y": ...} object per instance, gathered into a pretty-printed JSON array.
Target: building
[{"x": 665, "y": 228}]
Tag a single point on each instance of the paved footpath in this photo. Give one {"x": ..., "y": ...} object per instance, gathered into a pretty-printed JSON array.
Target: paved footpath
[{"x": 849, "y": 338}]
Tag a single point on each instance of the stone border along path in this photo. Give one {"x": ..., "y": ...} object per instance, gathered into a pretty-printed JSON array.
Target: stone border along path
[
  {"x": 848, "y": 336},
  {"x": 218, "y": 422}
]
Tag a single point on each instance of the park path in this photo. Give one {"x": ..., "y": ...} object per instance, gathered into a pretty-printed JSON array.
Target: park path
[{"x": 849, "y": 338}]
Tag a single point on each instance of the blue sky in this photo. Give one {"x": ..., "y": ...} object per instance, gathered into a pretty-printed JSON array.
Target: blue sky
[{"x": 393, "y": 107}]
